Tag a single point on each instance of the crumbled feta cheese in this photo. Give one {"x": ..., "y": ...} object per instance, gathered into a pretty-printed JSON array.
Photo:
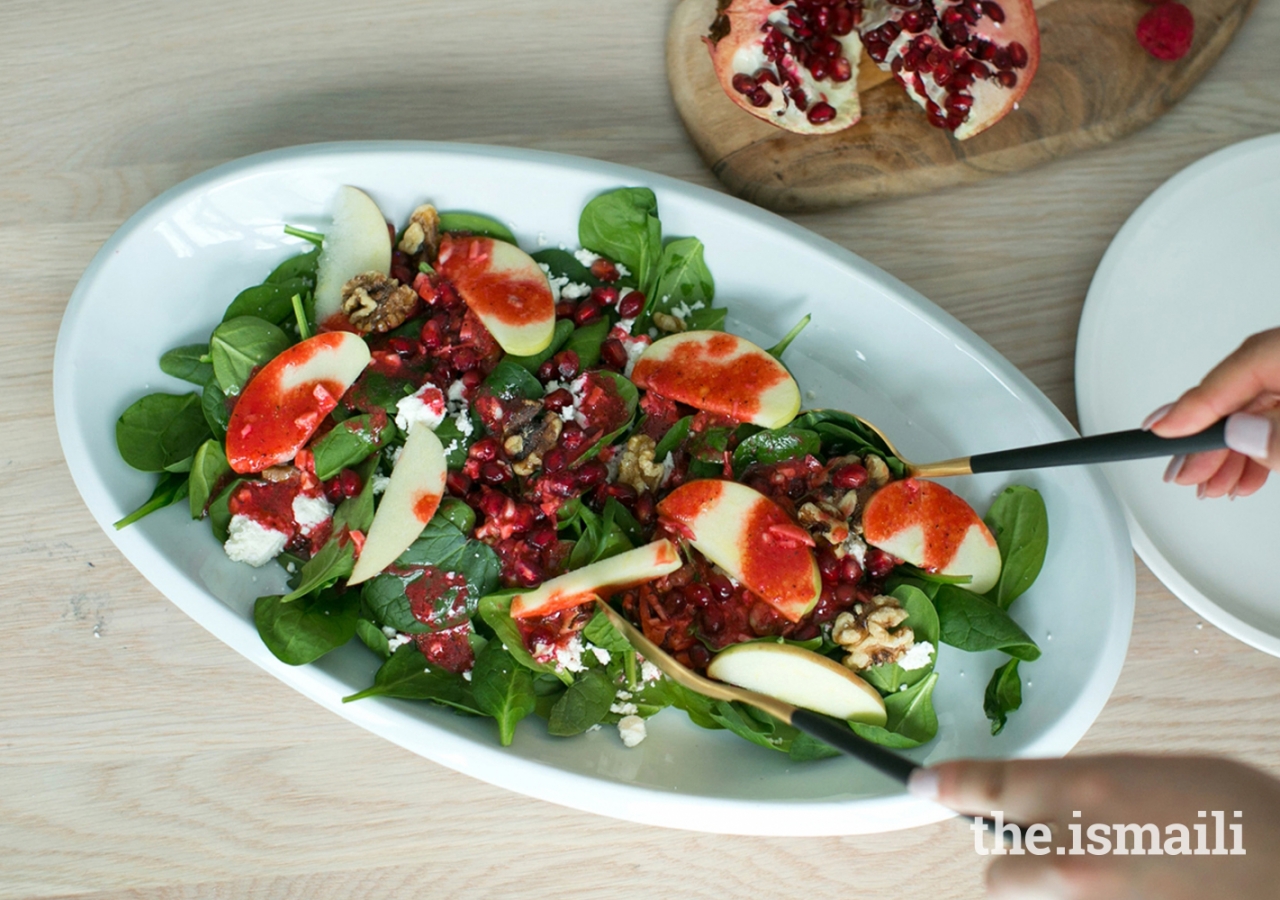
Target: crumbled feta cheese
[
  {"x": 622, "y": 270},
  {"x": 602, "y": 655},
  {"x": 917, "y": 657},
  {"x": 625, "y": 325},
  {"x": 623, "y": 695},
  {"x": 380, "y": 483},
  {"x": 684, "y": 310},
  {"x": 395, "y": 454},
  {"x": 623, "y": 709},
  {"x": 585, "y": 256},
  {"x": 397, "y": 641},
  {"x": 463, "y": 421},
  {"x": 632, "y": 730},
  {"x": 250, "y": 542},
  {"x": 425, "y": 406},
  {"x": 456, "y": 395},
  {"x": 574, "y": 291},
  {"x": 668, "y": 466},
  {"x": 389, "y": 631},
  {"x": 634, "y": 347},
  {"x": 855, "y": 547},
  {"x": 557, "y": 282},
  {"x": 466, "y": 676},
  {"x": 569, "y": 657},
  {"x": 649, "y": 672},
  {"x": 311, "y": 512}
]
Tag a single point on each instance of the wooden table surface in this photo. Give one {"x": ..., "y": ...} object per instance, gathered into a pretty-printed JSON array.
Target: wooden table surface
[{"x": 141, "y": 757}]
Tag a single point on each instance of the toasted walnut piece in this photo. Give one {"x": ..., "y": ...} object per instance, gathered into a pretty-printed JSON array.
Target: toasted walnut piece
[
  {"x": 422, "y": 232},
  {"x": 636, "y": 465},
  {"x": 878, "y": 471},
  {"x": 278, "y": 473},
  {"x": 868, "y": 633},
  {"x": 668, "y": 323},
  {"x": 848, "y": 504},
  {"x": 376, "y": 302},
  {"x": 535, "y": 439},
  {"x": 825, "y": 519}
]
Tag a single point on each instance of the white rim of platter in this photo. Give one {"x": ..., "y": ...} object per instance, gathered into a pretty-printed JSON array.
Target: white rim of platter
[
  {"x": 1189, "y": 276},
  {"x": 875, "y": 346}
]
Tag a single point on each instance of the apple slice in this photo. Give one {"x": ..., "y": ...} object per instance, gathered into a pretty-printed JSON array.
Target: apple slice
[
  {"x": 750, "y": 537},
  {"x": 281, "y": 406},
  {"x": 505, "y": 287},
  {"x": 721, "y": 373},
  {"x": 410, "y": 500},
  {"x": 928, "y": 526},
  {"x": 599, "y": 579},
  {"x": 357, "y": 242},
  {"x": 799, "y": 677}
]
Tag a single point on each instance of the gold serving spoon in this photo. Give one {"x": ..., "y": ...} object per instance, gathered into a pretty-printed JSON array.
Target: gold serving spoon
[{"x": 1099, "y": 448}]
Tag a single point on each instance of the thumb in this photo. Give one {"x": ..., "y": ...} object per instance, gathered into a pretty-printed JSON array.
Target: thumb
[{"x": 1256, "y": 435}]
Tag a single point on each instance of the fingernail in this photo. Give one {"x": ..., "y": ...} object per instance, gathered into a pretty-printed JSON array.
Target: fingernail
[
  {"x": 1175, "y": 466},
  {"x": 1201, "y": 490},
  {"x": 1249, "y": 434},
  {"x": 1156, "y": 416},
  {"x": 923, "y": 783}
]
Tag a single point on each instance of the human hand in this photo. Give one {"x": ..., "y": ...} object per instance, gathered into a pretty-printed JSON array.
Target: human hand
[
  {"x": 1246, "y": 387},
  {"x": 1113, "y": 790}
]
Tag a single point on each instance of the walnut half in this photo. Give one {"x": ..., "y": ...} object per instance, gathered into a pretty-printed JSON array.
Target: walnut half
[
  {"x": 868, "y": 633},
  {"x": 636, "y": 465},
  {"x": 377, "y": 302},
  {"x": 422, "y": 232}
]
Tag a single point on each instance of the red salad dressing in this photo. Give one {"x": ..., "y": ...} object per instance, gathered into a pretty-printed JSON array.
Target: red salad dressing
[
  {"x": 270, "y": 424},
  {"x": 705, "y": 373},
  {"x": 497, "y": 296},
  {"x": 425, "y": 506},
  {"x": 945, "y": 518}
]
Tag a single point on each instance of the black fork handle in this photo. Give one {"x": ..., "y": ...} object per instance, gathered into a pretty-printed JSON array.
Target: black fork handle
[{"x": 1101, "y": 448}]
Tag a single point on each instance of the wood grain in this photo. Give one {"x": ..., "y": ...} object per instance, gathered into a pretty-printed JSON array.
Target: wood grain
[
  {"x": 141, "y": 758},
  {"x": 1094, "y": 84}
]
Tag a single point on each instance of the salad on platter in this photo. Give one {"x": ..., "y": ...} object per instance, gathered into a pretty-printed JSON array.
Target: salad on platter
[{"x": 457, "y": 449}]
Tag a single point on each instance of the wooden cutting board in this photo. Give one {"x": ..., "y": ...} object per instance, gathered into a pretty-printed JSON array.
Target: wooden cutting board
[{"x": 1095, "y": 84}]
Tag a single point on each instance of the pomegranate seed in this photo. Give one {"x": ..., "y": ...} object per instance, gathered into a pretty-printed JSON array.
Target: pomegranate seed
[
  {"x": 959, "y": 103},
  {"x": 819, "y": 68},
  {"x": 878, "y": 563},
  {"x": 744, "y": 84},
  {"x": 350, "y": 481},
  {"x": 699, "y": 656},
  {"x": 492, "y": 504},
  {"x": 432, "y": 334},
  {"x": 969, "y": 14},
  {"x": 564, "y": 309},
  {"x": 542, "y": 537},
  {"x": 558, "y": 399},
  {"x": 554, "y": 460},
  {"x": 494, "y": 473},
  {"x": 404, "y": 346},
  {"x": 676, "y": 602},
  {"x": 561, "y": 484},
  {"x": 613, "y": 355},
  {"x": 828, "y": 47},
  {"x": 698, "y": 594},
  {"x": 800, "y": 99},
  {"x": 764, "y": 76},
  {"x": 523, "y": 518},
  {"x": 849, "y": 477},
  {"x": 828, "y": 565},
  {"x": 485, "y": 449},
  {"x": 604, "y": 270},
  {"x": 333, "y": 490},
  {"x": 975, "y": 69},
  {"x": 760, "y": 97},
  {"x": 821, "y": 112},
  {"x": 470, "y": 381},
  {"x": 571, "y": 436},
  {"x": 587, "y": 312},
  {"x": 1001, "y": 59},
  {"x": 850, "y": 570},
  {"x": 1018, "y": 55},
  {"x": 567, "y": 364},
  {"x": 546, "y": 371},
  {"x": 528, "y": 573},
  {"x": 1166, "y": 32},
  {"x": 591, "y": 473},
  {"x": 644, "y": 509},
  {"x": 465, "y": 359},
  {"x": 844, "y": 594},
  {"x": 993, "y": 11},
  {"x": 458, "y": 483},
  {"x": 1007, "y": 79},
  {"x": 605, "y": 296},
  {"x": 842, "y": 21},
  {"x": 841, "y": 70},
  {"x": 630, "y": 306}
]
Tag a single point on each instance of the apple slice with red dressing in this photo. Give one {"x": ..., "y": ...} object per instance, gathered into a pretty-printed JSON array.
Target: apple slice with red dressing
[
  {"x": 928, "y": 526},
  {"x": 283, "y": 404},
  {"x": 599, "y": 579},
  {"x": 720, "y": 373},
  {"x": 800, "y": 677},
  {"x": 412, "y": 497},
  {"x": 506, "y": 289},
  {"x": 750, "y": 537},
  {"x": 357, "y": 242}
]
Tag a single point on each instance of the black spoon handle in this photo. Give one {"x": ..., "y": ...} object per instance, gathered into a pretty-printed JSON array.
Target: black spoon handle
[{"x": 1100, "y": 448}]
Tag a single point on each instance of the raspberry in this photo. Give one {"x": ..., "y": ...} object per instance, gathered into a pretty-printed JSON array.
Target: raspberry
[{"x": 1166, "y": 31}]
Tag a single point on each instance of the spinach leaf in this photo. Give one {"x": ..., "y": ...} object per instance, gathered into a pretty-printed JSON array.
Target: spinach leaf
[
  {"x": 301, "y": 266},
  {"x": 707, "y": 452},
  {"x": 351, "y": 442},
  {"x": 407, "y": 676},
  {"x": 456, "y": 440},
  {"x": 503, "y": 690},
  {"x": 457, "y": 513},
  {"x": 299, "y": 633},
  {"x": 584, "y": 704},
  {"x": 780, "y": 348},
  {"x": 911, "y": 717},
  {"x": 683, "y": 277},
  {"x": 804, "y": 748},
  {"x": 337, "y": 557},
  {"x": 209, "y": 470},
  {"x": 972, "y": 622},
  {"x": 587, "y": 340},
  {"x": 272, "y": 302},
  {"x": 171, "y": 488},
  {"x": 630, "y": 396},
  {"x": 190, "y": 363},
  {"x": 601, "y": 633},
  {"x": 386, "y": 596},
  {"x": 623, "y": 225},
  {"x": 706, "y": 320},
  {"x": 922, "y": 619},
  {"x": 444, "y": 546},
  {"x": 219, "y": 511},
  {"x": 495, "y": 611},
  {"x": 698, "y": 707},
  {"x": 356, "y": 513},
  {"x": 674, "y": 437},
  {"x": 161, "y": 431},
  {"x": 509, "y": 380},
  {"x": 474, "y": 223},
  {"x": 775, "y": 445},
  {"x": 843, "y": 433},
  {"x": 564, "y": 263},
  {"x": 239, "y": 346},
  {"x": 933, "y": 577},
  {"x": 372, "y": 636},
  {"x": 564, "y": 328},
  {"x": 373, "y": 391},
  {"x": 602, "y": 536},
  {"x": 764, "y": 730},
  {"x": 1003, "y": 696},
  {"x": 213, "y": 405},
  {"x": 1020, "y": 524}
]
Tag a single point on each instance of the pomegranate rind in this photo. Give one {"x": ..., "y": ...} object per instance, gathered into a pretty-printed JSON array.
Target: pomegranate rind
[
  {"x": 1166, "y": 31},
  {"x": 736, "y": 44}
]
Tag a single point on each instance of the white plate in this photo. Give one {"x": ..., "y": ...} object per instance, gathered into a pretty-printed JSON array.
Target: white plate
[
  {"x": 165, "y": 277},
  {"x": 1190, "y": 275}
]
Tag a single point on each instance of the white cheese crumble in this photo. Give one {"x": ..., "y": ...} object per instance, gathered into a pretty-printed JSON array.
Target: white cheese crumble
[
  {"x": 456, "y": 395},
  {"x": 463, "y": 421},
  {"x": 572, "y": 290},
  {"x": 585, "y": 256},
  {"x": 649, "y": 672},
  {"x": 855, "y": 547},
  {"x": 623, "y": 708},
  {"x": 917, "y": 657},
  {"x": 684, "y": 310},
  {"x": 466, "y": 676},
  {"x": 379, "y": 484},
  {"x": 602, "y": 655},
  {"x": 398, "y": 641},
  {"x": 556, "y": 282},
  {"x": 423, "y": 407},
  {"x": 311, "y": 512},
  {"x": 250, "y": 542},
  {"x": 622, "y": 270},
  {"x": 569, "y": 657},
  {"x": 632, "y": 730}
]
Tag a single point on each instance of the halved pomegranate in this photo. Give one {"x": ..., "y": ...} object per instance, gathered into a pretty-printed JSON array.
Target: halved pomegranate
[
  {"x": 790, "y": 62},
  {"x": 967, "y": 62}
]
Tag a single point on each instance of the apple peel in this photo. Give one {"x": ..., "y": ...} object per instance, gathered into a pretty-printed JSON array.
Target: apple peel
[{"x": 599, "y": 579}]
